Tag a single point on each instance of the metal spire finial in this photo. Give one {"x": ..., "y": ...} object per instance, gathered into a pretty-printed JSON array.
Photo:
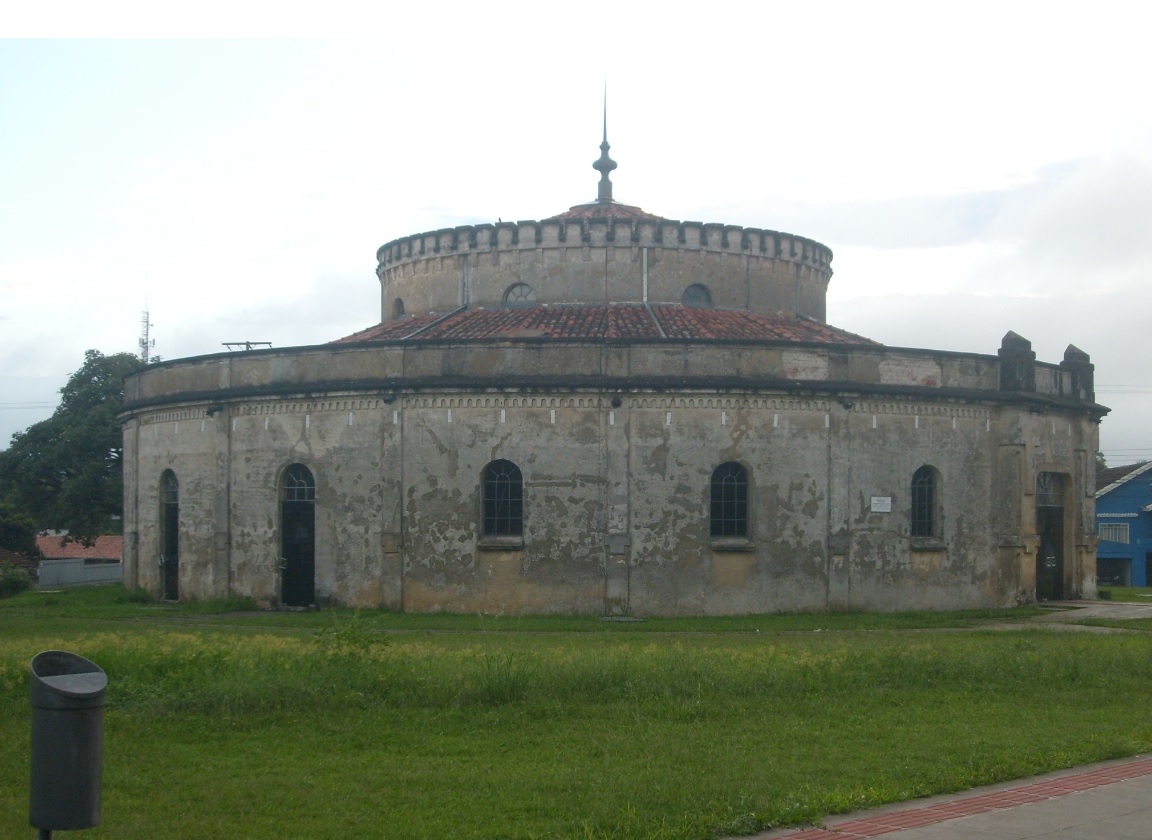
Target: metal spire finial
[{"x": 604, "y": 164}]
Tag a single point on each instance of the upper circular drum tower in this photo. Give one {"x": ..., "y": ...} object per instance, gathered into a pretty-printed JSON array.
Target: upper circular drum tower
[{"x": 603, "y": 252}]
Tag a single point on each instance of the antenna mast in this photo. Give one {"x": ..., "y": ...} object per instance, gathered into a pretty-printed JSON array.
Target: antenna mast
[{"x": 146, "y": 344}]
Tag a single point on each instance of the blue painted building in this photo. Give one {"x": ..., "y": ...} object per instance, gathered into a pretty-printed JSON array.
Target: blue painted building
[{"x": 1124, "y": 525}]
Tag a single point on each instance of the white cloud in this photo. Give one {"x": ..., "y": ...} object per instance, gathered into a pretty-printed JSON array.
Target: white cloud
[{"x": 970, "y": 177}]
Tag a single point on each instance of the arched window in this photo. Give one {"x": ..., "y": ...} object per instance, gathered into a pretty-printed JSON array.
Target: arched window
[
  {"x": 729, "y": 494},
  {"x": 503, "y": 500},
  {"x": 925, "y": 502},
  {"x": 298, "y": 485},
  {"x": 519, "y": 294},
  {"x": 697, "y": 296},
  {"x": 398, "y": 308}
]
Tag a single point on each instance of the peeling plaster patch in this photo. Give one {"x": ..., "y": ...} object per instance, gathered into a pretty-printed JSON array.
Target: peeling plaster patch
[
  {"x": 908, "y": 370},
  {"x": 804, "y": 365}
]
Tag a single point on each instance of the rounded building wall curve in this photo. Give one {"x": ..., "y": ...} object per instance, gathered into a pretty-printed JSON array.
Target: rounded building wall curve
[
  {"x": 604, "y": 260},
  {"x": 617, "y": 359}
]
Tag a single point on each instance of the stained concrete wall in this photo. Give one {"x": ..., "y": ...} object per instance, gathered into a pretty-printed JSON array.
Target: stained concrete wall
[
  {"x": 616, "y": 476},
  {"x": 593, "y": 261},
  {"x": 356, "y": 369}
]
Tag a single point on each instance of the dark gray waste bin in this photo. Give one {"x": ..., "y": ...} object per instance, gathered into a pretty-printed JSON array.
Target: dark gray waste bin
[{"x": 67, "y": 693}]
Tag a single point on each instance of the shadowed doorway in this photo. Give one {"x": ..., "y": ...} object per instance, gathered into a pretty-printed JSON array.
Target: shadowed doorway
[
  {"x": 1050, "y": 529},
  {"x": 170, "y": 535},
  {"x": 298, "y": 537}
]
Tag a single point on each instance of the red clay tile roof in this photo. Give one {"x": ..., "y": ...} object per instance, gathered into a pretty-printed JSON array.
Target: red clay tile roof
[
  {"x": 595, "y": 322},
  {"x": 686, "y": 322},
  {"x": 104, "y": 548},
  {"x": 605, "y": 210},
  {"x": 14, "y": 557}
]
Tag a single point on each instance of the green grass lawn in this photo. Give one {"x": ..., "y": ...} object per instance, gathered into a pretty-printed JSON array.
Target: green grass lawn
[
  {"x": 1132, "y": 594},
  {"x": 374, "y": 725}
]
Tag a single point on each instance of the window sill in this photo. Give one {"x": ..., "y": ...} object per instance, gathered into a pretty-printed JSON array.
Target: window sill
[
  {"x": 732, "y": 544},
  {"x": 928, "y": 544},
  {"x": 503, "y": 542}
]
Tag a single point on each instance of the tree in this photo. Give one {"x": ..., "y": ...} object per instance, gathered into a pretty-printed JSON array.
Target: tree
[
  {"x": 66, "y": 472},
  {"x": 17, "y": 530}
]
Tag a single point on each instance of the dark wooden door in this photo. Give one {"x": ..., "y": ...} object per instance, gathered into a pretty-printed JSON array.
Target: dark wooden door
[
  {"x": 170, "y": 537},
  {"x": 1050, "y": 529},
  {"x": 298, "y": 555},
  {"x": 298, "y": 537},
  {"x": 1050, "y": 558}
]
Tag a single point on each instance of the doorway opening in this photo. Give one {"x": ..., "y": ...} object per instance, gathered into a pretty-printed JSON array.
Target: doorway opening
[
  {"x": 298, "y": 537},
  {"x": 1050, "y": 495},
  {"x": 170, "y": 536}
]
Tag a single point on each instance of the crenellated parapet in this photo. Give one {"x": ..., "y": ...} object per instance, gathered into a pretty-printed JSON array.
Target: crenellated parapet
[
  {"x": 594, "y": 260},
  {"x": 552, "y": 233}
]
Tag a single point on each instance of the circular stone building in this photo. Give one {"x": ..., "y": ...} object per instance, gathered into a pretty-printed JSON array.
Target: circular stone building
[{"x": 610, "y": 412}]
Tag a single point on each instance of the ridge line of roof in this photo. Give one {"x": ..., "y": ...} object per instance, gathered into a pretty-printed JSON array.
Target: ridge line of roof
[{"x": 1137, "y": 469}]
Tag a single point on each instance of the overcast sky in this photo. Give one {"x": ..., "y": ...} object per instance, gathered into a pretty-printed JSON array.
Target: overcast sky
[{"x": 975, "y": 168}]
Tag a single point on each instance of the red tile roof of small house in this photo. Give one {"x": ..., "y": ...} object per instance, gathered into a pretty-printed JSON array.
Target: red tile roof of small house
[
  {"x": 104, "y": 548},
  {"x": 15, "y": 558}
]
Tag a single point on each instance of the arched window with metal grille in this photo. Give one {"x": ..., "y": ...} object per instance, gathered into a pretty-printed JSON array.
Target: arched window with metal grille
[
  {"x": 503, "y": 500},
  {"x": 519, "y": 294},
  {"x": 925, "y": 502},
  {"x": 697, "y": 296},
  {"x": 729, "y": 495}
]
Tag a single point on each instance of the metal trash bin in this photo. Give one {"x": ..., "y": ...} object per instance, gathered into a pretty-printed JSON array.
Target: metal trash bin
[{"x": 67, "y": 695}]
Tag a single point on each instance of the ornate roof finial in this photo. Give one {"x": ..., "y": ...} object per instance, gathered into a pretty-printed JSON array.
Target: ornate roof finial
[{"x": 604, "y": 164}]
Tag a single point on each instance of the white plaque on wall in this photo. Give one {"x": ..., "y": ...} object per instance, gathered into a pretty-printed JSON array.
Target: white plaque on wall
[{"x": 881, "y": 504}]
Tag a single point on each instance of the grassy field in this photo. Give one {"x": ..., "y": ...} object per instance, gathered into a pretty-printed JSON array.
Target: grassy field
[
  {"x": 1131, "y": 594},
  {"x": 375, "y": 725}
]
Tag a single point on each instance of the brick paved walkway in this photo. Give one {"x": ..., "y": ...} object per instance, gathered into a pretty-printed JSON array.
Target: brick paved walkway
[{"x": 998, "y": 798}]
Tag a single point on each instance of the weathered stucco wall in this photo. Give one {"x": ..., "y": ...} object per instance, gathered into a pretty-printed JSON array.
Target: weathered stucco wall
[
  {"x": 605, "y": 260},
  {"x": 616, "y": 475},
  {"x": 394, "y": 367}
]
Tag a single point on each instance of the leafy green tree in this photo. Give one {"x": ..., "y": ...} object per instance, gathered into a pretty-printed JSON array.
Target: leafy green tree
[
  {"x": 17, "y": 530},
  {"x": 66, "y": 472}
]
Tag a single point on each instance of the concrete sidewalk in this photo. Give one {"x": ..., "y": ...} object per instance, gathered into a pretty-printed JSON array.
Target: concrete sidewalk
[{"x": 1109, "y": 801}]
